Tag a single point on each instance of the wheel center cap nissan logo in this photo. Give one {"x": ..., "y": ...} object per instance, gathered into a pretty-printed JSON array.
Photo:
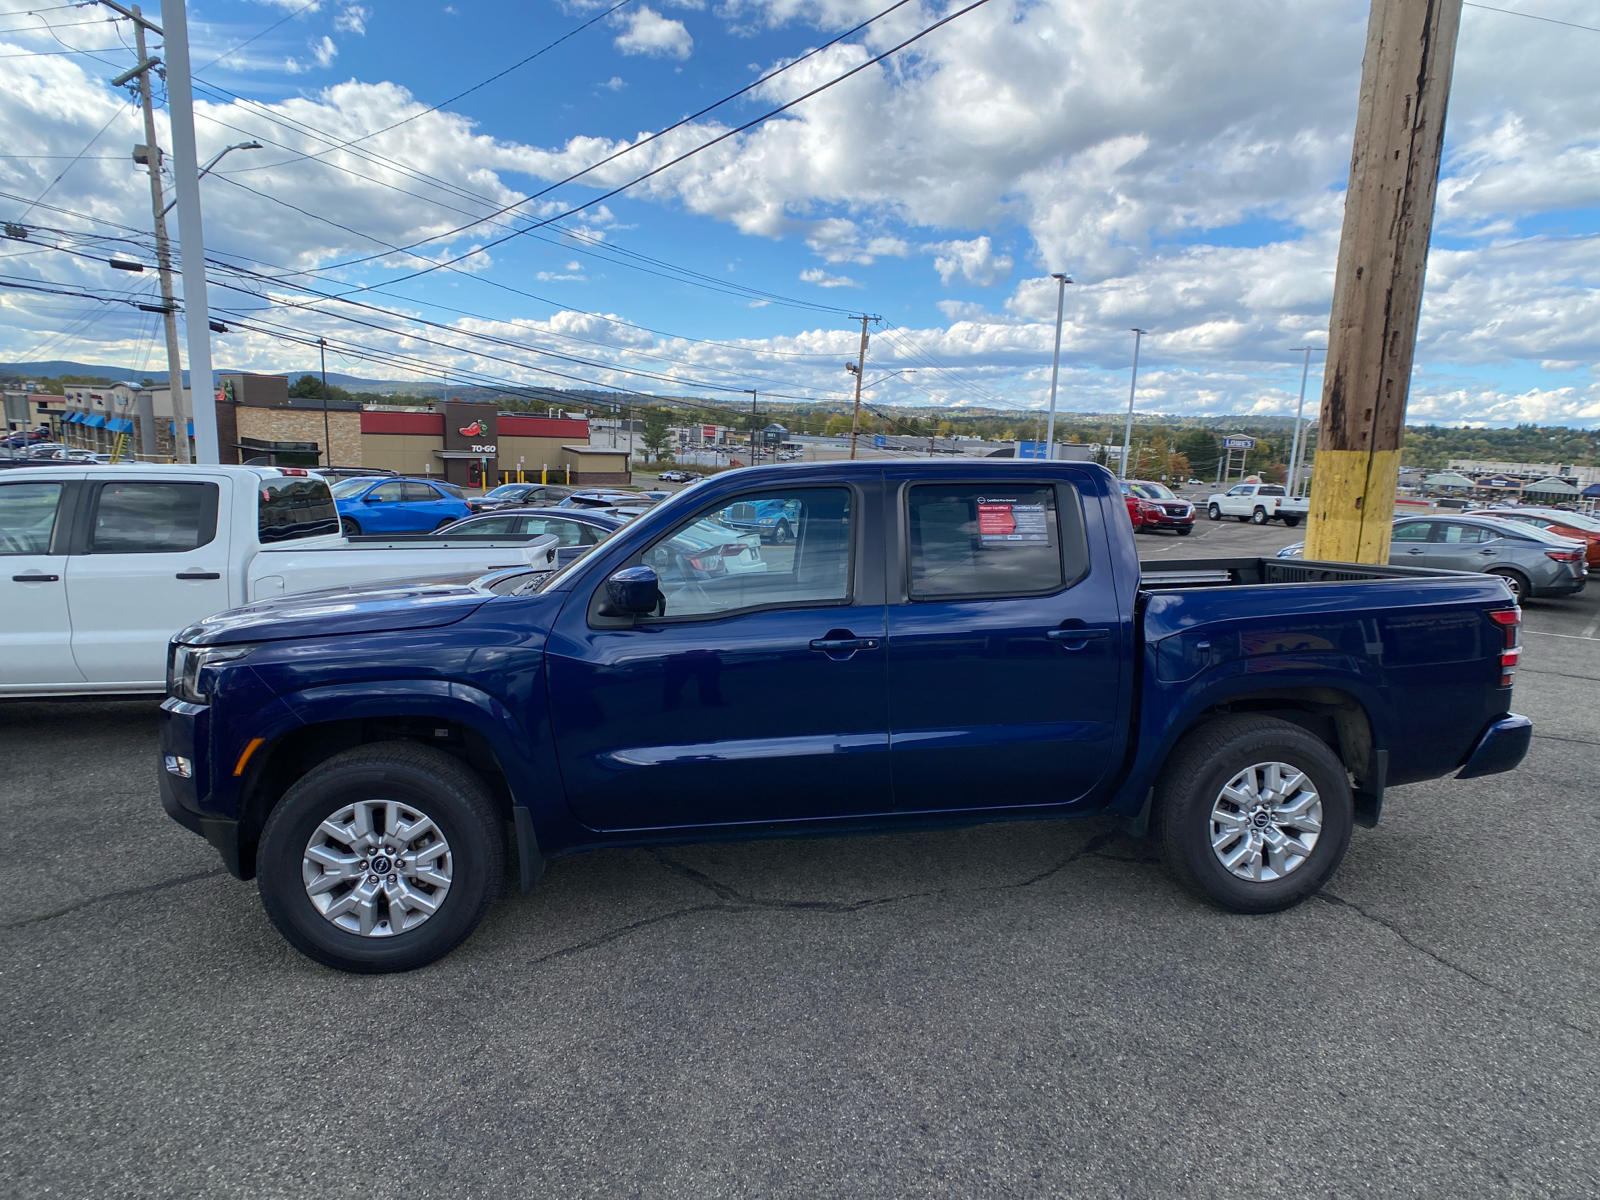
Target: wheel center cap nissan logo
[
  {"x": 1259, "y": 820},
  {"x": 380, "y": 865}
]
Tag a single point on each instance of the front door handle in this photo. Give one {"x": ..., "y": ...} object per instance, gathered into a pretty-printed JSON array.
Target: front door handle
[
  {"x": 35, "y": 577},
  {"x": 199, "y": 575},
  {"x": 1416, "y": 551},
  {"x": 1488, "y": 552},
  {"x": 1077, "y": 639},
  {"x": 832, "y": 645}
]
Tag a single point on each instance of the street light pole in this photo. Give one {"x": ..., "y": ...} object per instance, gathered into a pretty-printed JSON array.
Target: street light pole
[
  {"x": 327, "y": 437},
  {"x": 206, "y": 170},
  {"x": 1294, "y": 445},
  {"x": 1055, "y": 365},
  {"x": 751, "y": 392},
  {"x": 1133, "y": 385},
  {"x": 191, "y": 237}
]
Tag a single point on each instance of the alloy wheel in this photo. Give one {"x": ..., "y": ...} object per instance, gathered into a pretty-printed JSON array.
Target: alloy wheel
[
  {"x": 1265, "y": 821},
  {"x": 377, "y": 868}
]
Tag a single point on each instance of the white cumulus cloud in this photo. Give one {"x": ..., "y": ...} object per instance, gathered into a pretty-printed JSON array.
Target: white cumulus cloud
[{"x": 645, "y": 31}]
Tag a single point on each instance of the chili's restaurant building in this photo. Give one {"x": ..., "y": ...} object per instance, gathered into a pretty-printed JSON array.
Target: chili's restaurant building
[{"x": 474, "y": 445}]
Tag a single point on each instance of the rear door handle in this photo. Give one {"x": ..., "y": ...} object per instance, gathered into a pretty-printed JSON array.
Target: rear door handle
[
  {"x": 831, "y": 645},
  {"x": 36, "y": 577},
  {"x": 1416, "y": 551},
  {"x": 199, "y": 575},
  {"x": 1079, "y": 636}
]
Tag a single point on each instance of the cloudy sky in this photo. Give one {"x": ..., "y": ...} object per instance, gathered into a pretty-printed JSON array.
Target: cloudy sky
[{"x": 1184, "y": 163}]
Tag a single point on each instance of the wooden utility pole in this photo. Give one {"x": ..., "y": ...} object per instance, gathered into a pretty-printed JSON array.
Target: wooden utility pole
[
  {"x": 860, "y": 369},
  {"x": 169, "y": 302},
  {"x": 1377, "y": 289}
]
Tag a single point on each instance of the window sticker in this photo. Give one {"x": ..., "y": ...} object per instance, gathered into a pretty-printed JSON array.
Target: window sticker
[{"x": 1004, "y": 522}]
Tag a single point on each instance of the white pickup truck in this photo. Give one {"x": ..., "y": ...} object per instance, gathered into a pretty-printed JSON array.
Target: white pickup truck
[
  {"x": 1257, "y": 503},
  {"x": 100, "y": 566}
]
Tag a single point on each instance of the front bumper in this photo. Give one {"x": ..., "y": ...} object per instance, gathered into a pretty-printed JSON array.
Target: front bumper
[
  {"x": 184, "y": 743},
  {"x": 1501, "y": 747}
]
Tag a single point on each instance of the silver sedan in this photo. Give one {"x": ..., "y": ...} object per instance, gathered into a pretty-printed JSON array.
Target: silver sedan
[{"x": 1532, "y": 561}]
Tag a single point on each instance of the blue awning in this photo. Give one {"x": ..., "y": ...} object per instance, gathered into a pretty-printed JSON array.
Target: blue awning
[
  {"x": 120, "y": 425},
  {"x": 98, "y": 420},
  {"x": 173, "y": 425},
  {"x": 74, "y": 418}
]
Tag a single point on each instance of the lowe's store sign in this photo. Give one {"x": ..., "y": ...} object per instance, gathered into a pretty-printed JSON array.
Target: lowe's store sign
[{"x": 1238, "y": 441}]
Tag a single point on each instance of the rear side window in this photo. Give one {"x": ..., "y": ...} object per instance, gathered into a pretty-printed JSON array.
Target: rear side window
[
  {"x": 976, "y": 540},
  {"x": 415, "y": 492},
  {"x": 287, "y": 509},
  {"x": 1453, "y": 535},
  {"x": 153, "y": 518},
  {"x": 27, "y": 516}
]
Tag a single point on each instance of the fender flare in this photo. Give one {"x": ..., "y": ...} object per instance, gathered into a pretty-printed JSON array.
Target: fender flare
[{"x": 446, "y": 700}]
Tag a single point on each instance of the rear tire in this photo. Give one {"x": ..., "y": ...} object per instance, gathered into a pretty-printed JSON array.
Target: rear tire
[
  {"x": 1521, "y": 589},
  {"x": 448, "y": 521},
  {"x": 349, "y": 528},
  {"x": 1198, "y": 824},
  {"x": 1291, "y": 522},
  {"x": 405, "y": 778}
]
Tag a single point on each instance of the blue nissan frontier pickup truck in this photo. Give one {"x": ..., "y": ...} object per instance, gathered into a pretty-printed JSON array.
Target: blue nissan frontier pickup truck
[{"x": 934, "y": 643}]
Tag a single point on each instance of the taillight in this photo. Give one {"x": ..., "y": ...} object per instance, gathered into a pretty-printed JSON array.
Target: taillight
[
  {"x": 1564, "y": 555},
  {"x": 1510, "y": 622},
  {"x": 732, "y": 549}
]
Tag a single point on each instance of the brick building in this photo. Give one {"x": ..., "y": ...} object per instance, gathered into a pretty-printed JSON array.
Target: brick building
[{"x": 411, "y": 441}]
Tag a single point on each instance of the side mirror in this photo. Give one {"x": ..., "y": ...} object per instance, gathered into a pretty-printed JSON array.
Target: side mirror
[{"x": 632, "y": 592}]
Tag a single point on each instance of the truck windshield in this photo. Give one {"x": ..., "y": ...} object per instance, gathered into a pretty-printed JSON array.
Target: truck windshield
[{"x": 287, "y": 509}]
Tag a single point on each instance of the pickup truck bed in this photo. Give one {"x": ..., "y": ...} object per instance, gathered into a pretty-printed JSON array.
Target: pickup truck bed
[{"x": 935, "y": 643}]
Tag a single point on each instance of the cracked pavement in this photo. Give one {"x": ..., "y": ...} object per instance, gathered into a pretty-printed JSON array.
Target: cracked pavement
[{"x": 1031, "y": 1009}]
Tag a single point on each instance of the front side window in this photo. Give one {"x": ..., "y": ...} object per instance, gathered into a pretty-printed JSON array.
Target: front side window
[
  {"x": 1416, "y": 531},
  {"x": 27, "y": 517},
  {"x": 387, "y": 492},
  {"x": 287, "y": 509},
  {"x": 708, "y": 566},
  {"x": 154, "y": 518},
  {"x": 1239, "y": 491},
  {"x": 976, "y": 540},
  {"x": 570, "y": 532}
]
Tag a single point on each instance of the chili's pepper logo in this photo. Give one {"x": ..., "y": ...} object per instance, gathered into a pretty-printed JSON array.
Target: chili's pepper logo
[{"x": 472, "y": 430}]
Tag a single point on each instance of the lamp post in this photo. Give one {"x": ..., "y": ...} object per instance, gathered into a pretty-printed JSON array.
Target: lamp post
[
  {"x": 1297, "y": 445},
  {"x": 1133, "y": 385},
  {"x": 751, "y": 392},
  {"x": 206, "y": 170},
  {"x": 327, "y": 437},
  {"x": 1055, "y": 365}
]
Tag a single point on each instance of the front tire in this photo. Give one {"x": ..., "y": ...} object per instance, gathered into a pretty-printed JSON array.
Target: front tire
[
  {"x": 1259, "y": 517},
  {"x": 783, "y": 535},
  {"x": 1214, "y": 513},
  {"x": 348, "y": 527},
  {"x": 1185, "y": 530},
  {"x": 383, "y": 858},
  {"x": 1253, "y": 813}
]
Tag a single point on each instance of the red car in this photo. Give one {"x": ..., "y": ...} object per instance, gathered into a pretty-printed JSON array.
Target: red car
[
  {"x": 1153, "y": 506},
  {"x": 1580, "y": 527}
]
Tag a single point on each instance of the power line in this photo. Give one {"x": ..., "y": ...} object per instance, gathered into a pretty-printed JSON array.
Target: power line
[
  {"x": 119, "y": 112},
  {"x": 629, "y": 149},
  {"x": 241, "y": 45},
  {"x": 571, "y": 33},
  {"x": 1531, "y": 16}
]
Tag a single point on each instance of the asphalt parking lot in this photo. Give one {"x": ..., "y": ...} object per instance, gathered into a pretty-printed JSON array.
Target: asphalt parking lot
[{"x": 1012, "y": 1010}]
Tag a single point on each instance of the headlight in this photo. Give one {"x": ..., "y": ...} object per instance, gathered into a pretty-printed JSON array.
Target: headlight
[{"x": 190, "y": 673}]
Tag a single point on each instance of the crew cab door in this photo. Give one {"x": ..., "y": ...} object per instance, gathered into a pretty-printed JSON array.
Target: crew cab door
[
  {"x": 35, "y": 629},
  {"x": 1005, "y": 644},
  {"x": 150, "y": 557},
  {"x": 756, "y": 695}
]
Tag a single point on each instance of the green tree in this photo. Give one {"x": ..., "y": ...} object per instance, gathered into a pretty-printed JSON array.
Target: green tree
[
  {"x": 657, "y": 434},
  {"x": 837, "y": 425},
  {"x": 310, "y": 386}
]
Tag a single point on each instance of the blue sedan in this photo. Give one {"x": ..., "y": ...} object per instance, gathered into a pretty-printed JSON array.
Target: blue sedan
[{"x": 395, "y": 506}]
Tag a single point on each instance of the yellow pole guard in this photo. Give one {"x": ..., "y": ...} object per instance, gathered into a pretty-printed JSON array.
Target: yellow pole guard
[{"x": 1352, "y": 505}]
